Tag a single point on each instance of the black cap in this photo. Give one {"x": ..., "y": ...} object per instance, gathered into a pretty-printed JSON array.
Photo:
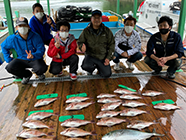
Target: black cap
[
  {"x": 21, "y": 20},
  {"x": 96, "y": 12}
]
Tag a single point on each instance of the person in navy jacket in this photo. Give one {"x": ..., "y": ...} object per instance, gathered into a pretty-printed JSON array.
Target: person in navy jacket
[
  {"x": 30, "y": 50},
  {"x": 168, "y": 49},
  {"x": 42, "y": 23},
  {"x": 62, "y": 50}
]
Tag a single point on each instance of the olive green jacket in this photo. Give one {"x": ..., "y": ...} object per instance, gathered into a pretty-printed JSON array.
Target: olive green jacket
[{"x": 100, "y": 45}]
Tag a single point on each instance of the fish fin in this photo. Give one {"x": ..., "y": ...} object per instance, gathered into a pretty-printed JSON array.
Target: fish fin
[
  {"x": 50, "y": 134},
  {"x": 148, "y": 112},
  {"x": 93, "y": 133}
]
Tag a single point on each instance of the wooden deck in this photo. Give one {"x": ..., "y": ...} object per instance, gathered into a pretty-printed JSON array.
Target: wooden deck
[{"x": 17, "y": 100}]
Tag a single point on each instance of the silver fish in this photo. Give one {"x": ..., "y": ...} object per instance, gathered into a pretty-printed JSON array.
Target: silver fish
[
  {"x": 164, "y": 106},
  {"x": 103, "y": 95},
  {"x": 110, "y": 106},
  {"x": 77, "y": 99},
  {"x": 110, "y": 121},
  {"x": 152, "y": 93},
  {"x": 33, "y": 124},
  {"x": 127, "y": 134},
  {"x": 75, "y": 132},
  {"x": 75, "y": 122},
  {"x": 78, "y": 106},
  {"x": 103, "y": 114},
  {"x": 131, "y": 112},
  {"x": 129, "y": 97},
  {"x": 139, "y": 124},
  {"x": 43, "y": 102},
  {"x": 39, "y": 116},
  {"x": 133, "y": 104},
  {"x": 124, "y": 91},
  {"x": 30, "y": 133},
  {"x": 108, "y": 100}
]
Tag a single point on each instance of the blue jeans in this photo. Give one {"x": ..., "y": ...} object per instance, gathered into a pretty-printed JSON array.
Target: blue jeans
[
  {"x": 173, "y": 64},
  {"x": 132, "y": 59}
]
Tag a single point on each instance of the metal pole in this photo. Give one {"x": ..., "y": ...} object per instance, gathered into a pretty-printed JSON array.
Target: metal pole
[
  {"x": 38, "y": 1},
  {"x": 182, "y": 19},
  {"x": 9, "y": 16},
  {"x": 135, "y": 7},
  {"x": 118, "y": 6},
  {"x": 11, "y": 30},
  {"x": 48, "y": 5}
]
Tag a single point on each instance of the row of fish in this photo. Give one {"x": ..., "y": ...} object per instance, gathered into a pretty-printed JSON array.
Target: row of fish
[{"x": 34, "y": 122}]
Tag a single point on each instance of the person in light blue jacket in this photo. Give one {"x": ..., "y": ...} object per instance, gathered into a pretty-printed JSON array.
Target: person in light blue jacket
[
  {"x": 42, "y": 23},
  {"x": 30, "y": 50}
]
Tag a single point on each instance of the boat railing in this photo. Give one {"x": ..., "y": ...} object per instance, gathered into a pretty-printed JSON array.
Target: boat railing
[{"x": 118, "y": 15}]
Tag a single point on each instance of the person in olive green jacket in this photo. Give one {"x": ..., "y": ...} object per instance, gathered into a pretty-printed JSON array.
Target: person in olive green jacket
[{"x": 97, "y": 42}]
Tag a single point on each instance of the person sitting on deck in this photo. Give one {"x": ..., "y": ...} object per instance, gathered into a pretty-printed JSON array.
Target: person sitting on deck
[
  {"x": 42, "y": 23},
  {"x": 127, "y": 44},
  {"x": 30, "y": 50},
  {"x": 62, "y": 49},
  {"x": 98, "y": 42},
  {"x": 168, "y": 48}
]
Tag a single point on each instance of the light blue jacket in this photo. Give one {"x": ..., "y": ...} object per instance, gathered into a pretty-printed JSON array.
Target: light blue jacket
[{"x": 33, "y": 43}]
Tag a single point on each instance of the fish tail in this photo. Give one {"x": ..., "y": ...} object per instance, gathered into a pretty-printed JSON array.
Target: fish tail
[
  {"x": 93, "y": 133},
  {"x": 50, "y": 134},
  {"x": 51, "y": 127},
  {"x": 139, "y": 92},
  {"x": 92, "y": 121},
  {"x": 160, "y": 135},
  {"x": 56, "y": 114}
]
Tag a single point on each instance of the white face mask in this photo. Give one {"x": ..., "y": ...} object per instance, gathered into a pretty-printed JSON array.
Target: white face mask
[
  {"x": 39, "y": 15},
  {"x": 128, "y": 29},
  {"x": 64, "y": 34},
  {"x": 23, "y": 30}
]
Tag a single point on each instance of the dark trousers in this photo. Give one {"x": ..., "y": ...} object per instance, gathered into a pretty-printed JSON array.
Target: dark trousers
[
  {"x": 173, "y": 65},
  {"x": 90, "y": 64},
  {"x": 47, "y": 42},
  {"x": 132, "y": 59},
  {"x": 56, "y": 67},
  {"x": 18, "y": 67}
]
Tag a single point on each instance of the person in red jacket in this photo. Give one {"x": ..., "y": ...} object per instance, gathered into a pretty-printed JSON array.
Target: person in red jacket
[{"x": 62, "y": 50}]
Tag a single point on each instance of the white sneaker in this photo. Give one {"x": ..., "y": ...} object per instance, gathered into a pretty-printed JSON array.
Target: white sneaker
[
  {"x": 116, "y": 67},
  {"x": 130, "y": 65}
]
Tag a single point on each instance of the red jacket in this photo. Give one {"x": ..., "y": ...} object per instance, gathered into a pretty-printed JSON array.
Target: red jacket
[{"x": 52, "y": 50}]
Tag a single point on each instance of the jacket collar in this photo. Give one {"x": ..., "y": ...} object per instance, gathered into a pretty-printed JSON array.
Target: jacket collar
[{"x": 170, "y": 36}]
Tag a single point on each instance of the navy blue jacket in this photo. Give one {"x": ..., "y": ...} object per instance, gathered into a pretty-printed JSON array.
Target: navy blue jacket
[
  {"x": 33, "y": 43},
  {"x": 43, "y": 29},
  {"x": 172, "y": 46}
]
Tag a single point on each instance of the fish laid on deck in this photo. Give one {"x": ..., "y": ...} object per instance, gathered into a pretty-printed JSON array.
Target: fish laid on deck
[
  {"x": 43, "y": 102},
  {"x": 131, "y": 112},
  {"x": 77, "y": 99},
  {"x": 33, "y": 124},
  {"x": 129, "y": 97},
  {"x": 75, "y": 139},
  {"x": 139, "y": 124},
  {"x": 103, "y": 114},
  {"x": 30, "y": 133},
  {"x": 75, "y": 122},
  {"x": 164, "y": 106},
  {"x": 78, "y": 106},
  {"x": 124, "y": 91},
  {"x": 152, "y": 93},
  {"x": 40, "y": 116},
  {"x": 75, "y": 132},
  {"x": 133, "y": 104},
  {"x": 127, "y": 134},
  {"x": 108, "y": 100},
  {"x": 110, "y": 121},
  {"x": 110, "y": 106},
  {"x": 41, "y": 139},
  {"x": 104, "y": 95}
]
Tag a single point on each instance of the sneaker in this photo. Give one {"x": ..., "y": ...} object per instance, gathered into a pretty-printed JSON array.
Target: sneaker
[
  {"x": 116, "y": 67},
  {"x": 170, "y": 76},
  {"x": 25, "y": 80},
  {"x": 130, "y": 65},
  {"x": 41, "y": 77},
  {"x": 60, "y": 74},
  {"x": 73, "y": 76}
]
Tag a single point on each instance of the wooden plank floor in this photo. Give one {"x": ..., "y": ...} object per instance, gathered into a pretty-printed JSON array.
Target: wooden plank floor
[{"x": 17, "y": 100}]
